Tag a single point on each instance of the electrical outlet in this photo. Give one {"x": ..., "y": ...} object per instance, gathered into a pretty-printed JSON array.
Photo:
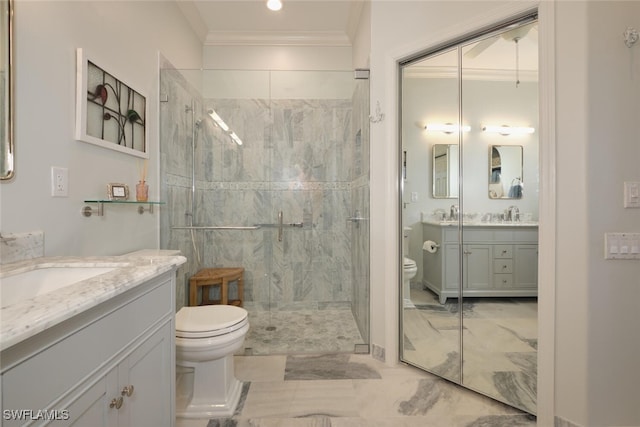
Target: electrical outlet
[{"x": 59, "y": 182}]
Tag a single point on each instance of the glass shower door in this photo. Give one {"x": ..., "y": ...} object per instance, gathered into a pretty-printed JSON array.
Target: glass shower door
[{"x": 300, "y": 173}]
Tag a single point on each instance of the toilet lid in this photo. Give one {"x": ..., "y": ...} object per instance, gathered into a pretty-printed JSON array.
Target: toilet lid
[
  {"x": 209, "y": 320},
  {"x": 408, "y": 262}
]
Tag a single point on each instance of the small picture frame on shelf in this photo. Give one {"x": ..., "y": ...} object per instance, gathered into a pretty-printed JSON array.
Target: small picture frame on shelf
[{"x": 118, "y": 191}]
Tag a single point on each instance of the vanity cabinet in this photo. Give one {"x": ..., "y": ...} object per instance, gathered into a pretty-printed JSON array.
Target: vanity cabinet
[
  {"x": 113, "y": 365},
  {"x": 496, "y": 261}
]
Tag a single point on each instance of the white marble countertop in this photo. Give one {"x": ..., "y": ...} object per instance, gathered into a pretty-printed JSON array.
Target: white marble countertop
[
  {"x": 26, "y": 318},
  {"x": 481, "y": 224}
]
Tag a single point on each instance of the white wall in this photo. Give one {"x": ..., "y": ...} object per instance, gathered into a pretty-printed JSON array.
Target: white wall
[
  {"x": 598, "y": 300},
  {"x": 285, "y": 57},
  {"x": 126, "y": 38}
]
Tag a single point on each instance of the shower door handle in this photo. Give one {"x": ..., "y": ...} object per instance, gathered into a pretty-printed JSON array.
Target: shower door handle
[
  {"x": 280, "y": 225},
  {"x": 356, "y": 218}
]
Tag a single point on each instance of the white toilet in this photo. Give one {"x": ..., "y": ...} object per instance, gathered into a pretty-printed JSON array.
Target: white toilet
[
  {"x": 409, "y": 270},
  {"x": 206, "y": 338}
]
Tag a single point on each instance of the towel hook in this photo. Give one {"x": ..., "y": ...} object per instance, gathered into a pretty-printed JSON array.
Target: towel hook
[{"x": 631, "y": 36}]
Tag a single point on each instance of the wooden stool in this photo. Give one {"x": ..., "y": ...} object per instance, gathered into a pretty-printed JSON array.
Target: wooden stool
[{"x": 216, "y": 277}]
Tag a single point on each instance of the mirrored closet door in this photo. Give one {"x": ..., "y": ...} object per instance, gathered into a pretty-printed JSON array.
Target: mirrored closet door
[{"x": 469, "y": 209}]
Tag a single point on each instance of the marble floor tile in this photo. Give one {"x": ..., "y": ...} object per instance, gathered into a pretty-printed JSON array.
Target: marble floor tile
[
  {"x": 327, "y": 366},
  {"x": 499, "y": 343},
  {"x": 395, "y": 396},
  {"x": 330, "y": 398},
  {"x": 260, "y": 369}
]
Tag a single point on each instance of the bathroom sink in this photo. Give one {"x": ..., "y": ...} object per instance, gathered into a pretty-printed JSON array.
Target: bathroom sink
[{"x": 29, "y": 284}]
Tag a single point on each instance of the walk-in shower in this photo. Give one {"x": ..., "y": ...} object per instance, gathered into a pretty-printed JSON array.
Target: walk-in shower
[{"x": 280, "y": 203}]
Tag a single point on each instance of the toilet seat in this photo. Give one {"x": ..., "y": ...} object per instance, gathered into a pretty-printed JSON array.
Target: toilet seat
[
  {"x": 408, "y": 263},
  {"x": 209, "y": 321}
]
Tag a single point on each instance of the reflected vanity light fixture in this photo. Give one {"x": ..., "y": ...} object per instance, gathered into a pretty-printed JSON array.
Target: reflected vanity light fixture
[
  {"x": 274, "y": 5},
  {"x": 508, "y": 130},
  {"x": 446, "y": 127},
  {"x": 222, "y": 125},
  {"x": 235, "y": 138},
  {"x": 216, "y": 118}
]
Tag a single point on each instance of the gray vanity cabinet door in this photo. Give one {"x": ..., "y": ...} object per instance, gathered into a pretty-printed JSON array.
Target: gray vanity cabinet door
[
  {"x": 151, "y": 400},
  {"x": 526, "y": 266},
  {"x": 92, "y": 407},
  {"x": 478, "y": 267}
]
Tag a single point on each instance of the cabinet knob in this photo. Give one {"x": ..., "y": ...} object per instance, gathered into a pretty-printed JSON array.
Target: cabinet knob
[
  {"x": 116, "y": 403},
  {"x": 504, "y": 267},
  {"x": 127, "y": 391}
]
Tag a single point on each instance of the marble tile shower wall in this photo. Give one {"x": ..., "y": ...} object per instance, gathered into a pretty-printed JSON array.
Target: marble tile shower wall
[
  {"x": 296, "y": 158},
  {"x": 304, "y": 157}
]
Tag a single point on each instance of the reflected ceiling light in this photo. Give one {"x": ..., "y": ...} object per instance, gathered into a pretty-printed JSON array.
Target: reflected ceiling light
[
  {"x": 274, "y": 5},
  {"x": 222, "y": 125},
  {"x": 216, "y": 118},
  {"x": 508, "y": 130},
  {"x": 446, "y": 127},
  {"x": 235, "y": 138}
]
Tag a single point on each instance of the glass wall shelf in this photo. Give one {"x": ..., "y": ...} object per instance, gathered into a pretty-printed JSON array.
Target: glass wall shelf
[{"x": 89, "y": 211}]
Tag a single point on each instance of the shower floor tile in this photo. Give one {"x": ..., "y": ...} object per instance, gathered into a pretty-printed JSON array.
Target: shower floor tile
[{"x": 302, "y": 331}]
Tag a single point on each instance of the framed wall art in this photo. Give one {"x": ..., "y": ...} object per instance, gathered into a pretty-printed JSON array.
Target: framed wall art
[{"x": 109, "y": 112}]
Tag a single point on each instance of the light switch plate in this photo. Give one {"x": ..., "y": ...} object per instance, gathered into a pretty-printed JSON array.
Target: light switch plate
[
  {"x": 632, "y": 194},
  {"x": 622, "y": 246}
]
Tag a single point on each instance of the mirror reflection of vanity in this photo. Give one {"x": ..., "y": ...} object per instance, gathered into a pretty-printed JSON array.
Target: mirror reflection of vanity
[
  {"x": 470, "y": 315},
  {"x": 6, "y": 92}
]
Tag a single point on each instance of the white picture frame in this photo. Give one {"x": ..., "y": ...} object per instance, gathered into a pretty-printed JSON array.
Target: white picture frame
[{"x": 109, "y": 112}]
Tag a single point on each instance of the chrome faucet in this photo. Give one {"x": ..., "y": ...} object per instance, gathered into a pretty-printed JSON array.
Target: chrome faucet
[
  {"x": 513, "y": 213},
  {"x": 454, "y": 212}
]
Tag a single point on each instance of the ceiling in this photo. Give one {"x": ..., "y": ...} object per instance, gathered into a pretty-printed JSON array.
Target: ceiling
[{"x": 302, "y": 22}]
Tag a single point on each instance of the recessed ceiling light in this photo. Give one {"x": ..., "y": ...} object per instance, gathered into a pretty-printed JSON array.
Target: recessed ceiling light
[{"x": 274, "y": 4}]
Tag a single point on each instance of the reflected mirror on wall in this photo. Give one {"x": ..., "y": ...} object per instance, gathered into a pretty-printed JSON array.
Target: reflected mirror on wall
[
  {"x": 469, "y": 271},
  {"x": 6, "y": 92},
  {"x": 445, "y": 171},
  {"x": 505, "y": 172}
]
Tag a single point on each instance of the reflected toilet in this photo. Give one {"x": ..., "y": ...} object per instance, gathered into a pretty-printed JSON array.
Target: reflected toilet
[{"x": 409, "y": 270}]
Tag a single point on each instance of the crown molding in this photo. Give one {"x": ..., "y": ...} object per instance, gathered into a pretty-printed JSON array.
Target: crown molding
[
  {"x": 277, "y": 38},
  {"x": 192, "y": 15}
]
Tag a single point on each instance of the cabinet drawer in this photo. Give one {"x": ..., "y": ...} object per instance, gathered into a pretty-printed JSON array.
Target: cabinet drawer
[
  {"x": 503, "y": 251},
  {"x": 503, "y": 280},
  {"x": 501, "y": 266}
]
